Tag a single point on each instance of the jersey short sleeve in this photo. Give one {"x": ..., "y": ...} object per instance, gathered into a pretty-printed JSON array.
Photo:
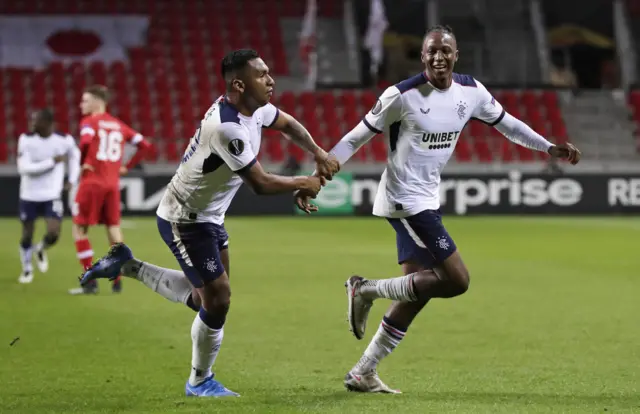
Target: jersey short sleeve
[
  {"x": 87, "y": 128},
  {"x": 21, "y": 145},
  {"x": 232, "y": 144},
  {"x": 269, "y": 115},
  {"x": 129, "y": 134},
  {"x": 386, "y": 111},
  {"x": 487, "y": 109}
]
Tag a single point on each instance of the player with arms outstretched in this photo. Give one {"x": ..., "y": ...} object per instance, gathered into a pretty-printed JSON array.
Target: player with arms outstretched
[
  {"x": 97, "y": 201},
  {"x": 42, "y": 155},
  {"x": 422, "y": 118},
  {"x": 220, "y": 157}
]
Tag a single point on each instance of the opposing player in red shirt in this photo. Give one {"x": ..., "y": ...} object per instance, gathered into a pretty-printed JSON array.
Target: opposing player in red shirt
[{"x": 97, "y": 201}]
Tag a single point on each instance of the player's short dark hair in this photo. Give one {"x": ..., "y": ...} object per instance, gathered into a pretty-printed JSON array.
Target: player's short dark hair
[
  {"x": 236, "y": 60},
  {"x": 99, "y": 91},
  {"x": 444, "y": 29},
  {"x": 46, "y": 115}
]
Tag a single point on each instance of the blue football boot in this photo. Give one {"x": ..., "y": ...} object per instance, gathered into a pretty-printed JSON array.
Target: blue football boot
[
  {"x": 209, "y": 388},
  {"x": 108, "y": 267}
]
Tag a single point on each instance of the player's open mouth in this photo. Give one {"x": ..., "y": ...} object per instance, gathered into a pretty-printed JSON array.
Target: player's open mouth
[{"x": 439, "y": 67}]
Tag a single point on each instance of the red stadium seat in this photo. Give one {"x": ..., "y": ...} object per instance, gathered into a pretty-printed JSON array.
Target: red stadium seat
[
  {"x": 478, "y": 129},
  {"x": 379, "y": 149},
  {"x": 4, "y": 151},
  {"x": 550, "y": 99},
  {"x": 296, "y": 152},
  {"x": 166, "y": 86},
  {"x": 507, "y": 151},
  {"x": 482, "y": 150},
  {"x": 463, "y": 150},
  {"x": 525, "y": 154},
  {"x": 347, "y": 100},
  {"x": 529, "y": 99},
  {"x": 509, "y": 100}
]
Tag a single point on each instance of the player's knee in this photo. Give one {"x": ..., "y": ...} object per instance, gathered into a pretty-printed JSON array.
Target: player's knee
[
  {"x": 215, "y": 304},
  {"x": 217, "y": 295},
  {"x": 213, "y": 318},
  {"x": 25, "y": 241},
  {"x": 79, "y": 232},
  {"x": 51, "y": 238},
  {"x": 461, "y": 281}
]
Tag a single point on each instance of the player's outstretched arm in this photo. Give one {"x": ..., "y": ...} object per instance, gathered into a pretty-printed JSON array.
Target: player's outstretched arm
[
  {"x": 489, "y": 111},
  {"x": 343, "y": 150},
  {"x": 386, "y": 111},
  {"x": 520, "y": 133},
  {"x": 230, "y": 142},
  {"x": 264, "y": 183},
  {"x": 326, "y": 165}
]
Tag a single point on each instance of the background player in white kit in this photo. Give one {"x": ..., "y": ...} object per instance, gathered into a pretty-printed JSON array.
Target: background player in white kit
[
  {"x": 221, "y": 155},
  {"x": 422, "y": 118},
  {"x": 42, "y": 155}
]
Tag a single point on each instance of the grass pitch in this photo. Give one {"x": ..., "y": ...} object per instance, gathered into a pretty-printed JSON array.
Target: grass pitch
[{"x": 551, "y": 323}]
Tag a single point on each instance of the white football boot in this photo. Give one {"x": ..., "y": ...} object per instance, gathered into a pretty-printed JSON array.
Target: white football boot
[
  {"x": 42, "y": 261},
  {"x": 359, "y": 307},
  {"x": 25, "y": 277},
  {"x": 367, "y": 382}
]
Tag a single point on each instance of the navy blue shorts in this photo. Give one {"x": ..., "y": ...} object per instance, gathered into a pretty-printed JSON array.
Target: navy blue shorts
[
  {"x": 197, "y": 248},
  {"x": 31, "y": 210},
  {"x": 423, "y": 238}
]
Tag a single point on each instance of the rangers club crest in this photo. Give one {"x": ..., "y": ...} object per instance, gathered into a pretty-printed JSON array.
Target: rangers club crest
[
  {"x": 443, "y": 243},
  {"x": 211, "y": 265},
  {"x": 461, "y": 110}
]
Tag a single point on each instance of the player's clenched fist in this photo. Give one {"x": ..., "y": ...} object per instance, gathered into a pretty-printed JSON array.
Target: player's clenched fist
[
  {"x": 312, "y": 185},
  {"x": 567, "y": 152},
  {"x": 327, "y": 166}
]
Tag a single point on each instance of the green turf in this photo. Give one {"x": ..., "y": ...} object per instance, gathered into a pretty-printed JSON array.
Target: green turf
[{"x": 551, "y": 323}]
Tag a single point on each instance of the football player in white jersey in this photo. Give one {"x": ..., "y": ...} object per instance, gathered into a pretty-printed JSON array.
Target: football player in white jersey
[
  {"x": 422, "y": 118},
  {"x": 220, "y": 157},
  {"x": 42, "y": 155}
]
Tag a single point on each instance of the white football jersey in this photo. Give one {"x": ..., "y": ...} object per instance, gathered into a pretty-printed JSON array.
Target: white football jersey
[
  {"x": 225, "y": 144},
  {"x": 423, "y": 125},
  {"x": 41, "y": 178}
]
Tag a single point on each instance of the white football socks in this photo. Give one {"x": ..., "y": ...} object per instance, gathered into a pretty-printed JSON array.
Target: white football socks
[
  {"x": 25, "y": 259},
  {"x": 171, "y": 284},
  {"x": 398, "y": 288},
  {"x": 382, "y": 344},
  {"x": 206, "y": 345}
]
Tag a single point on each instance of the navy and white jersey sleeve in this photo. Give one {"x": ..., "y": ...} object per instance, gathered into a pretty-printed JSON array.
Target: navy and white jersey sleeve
[
  {"x": 232, "y": 144},
  {"x": 487, "y": 109},
  {"x": 269, "y": 115},
  {"x": 386, "y": 111}
]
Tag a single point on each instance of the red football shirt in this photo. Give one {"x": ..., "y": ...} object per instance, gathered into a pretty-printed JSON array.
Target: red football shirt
[{"x": 102, "y": 141}]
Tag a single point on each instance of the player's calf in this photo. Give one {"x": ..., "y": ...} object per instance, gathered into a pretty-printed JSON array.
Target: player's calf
[
  {"x": 207, "y": 330},
  {"x": 454, "y": 276},
  {"x": 447, "y": 280},
  {"x": 169, "y": 283},
  {"x": 40, "y": 250},
  {"x": 26, "y": 253}
]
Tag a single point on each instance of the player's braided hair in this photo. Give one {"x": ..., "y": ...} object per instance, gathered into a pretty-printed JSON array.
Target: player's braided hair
[{"x": 444, "y": 29}]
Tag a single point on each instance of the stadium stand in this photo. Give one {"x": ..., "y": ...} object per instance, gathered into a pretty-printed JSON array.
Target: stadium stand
[{"x": 166, "y": 86}]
